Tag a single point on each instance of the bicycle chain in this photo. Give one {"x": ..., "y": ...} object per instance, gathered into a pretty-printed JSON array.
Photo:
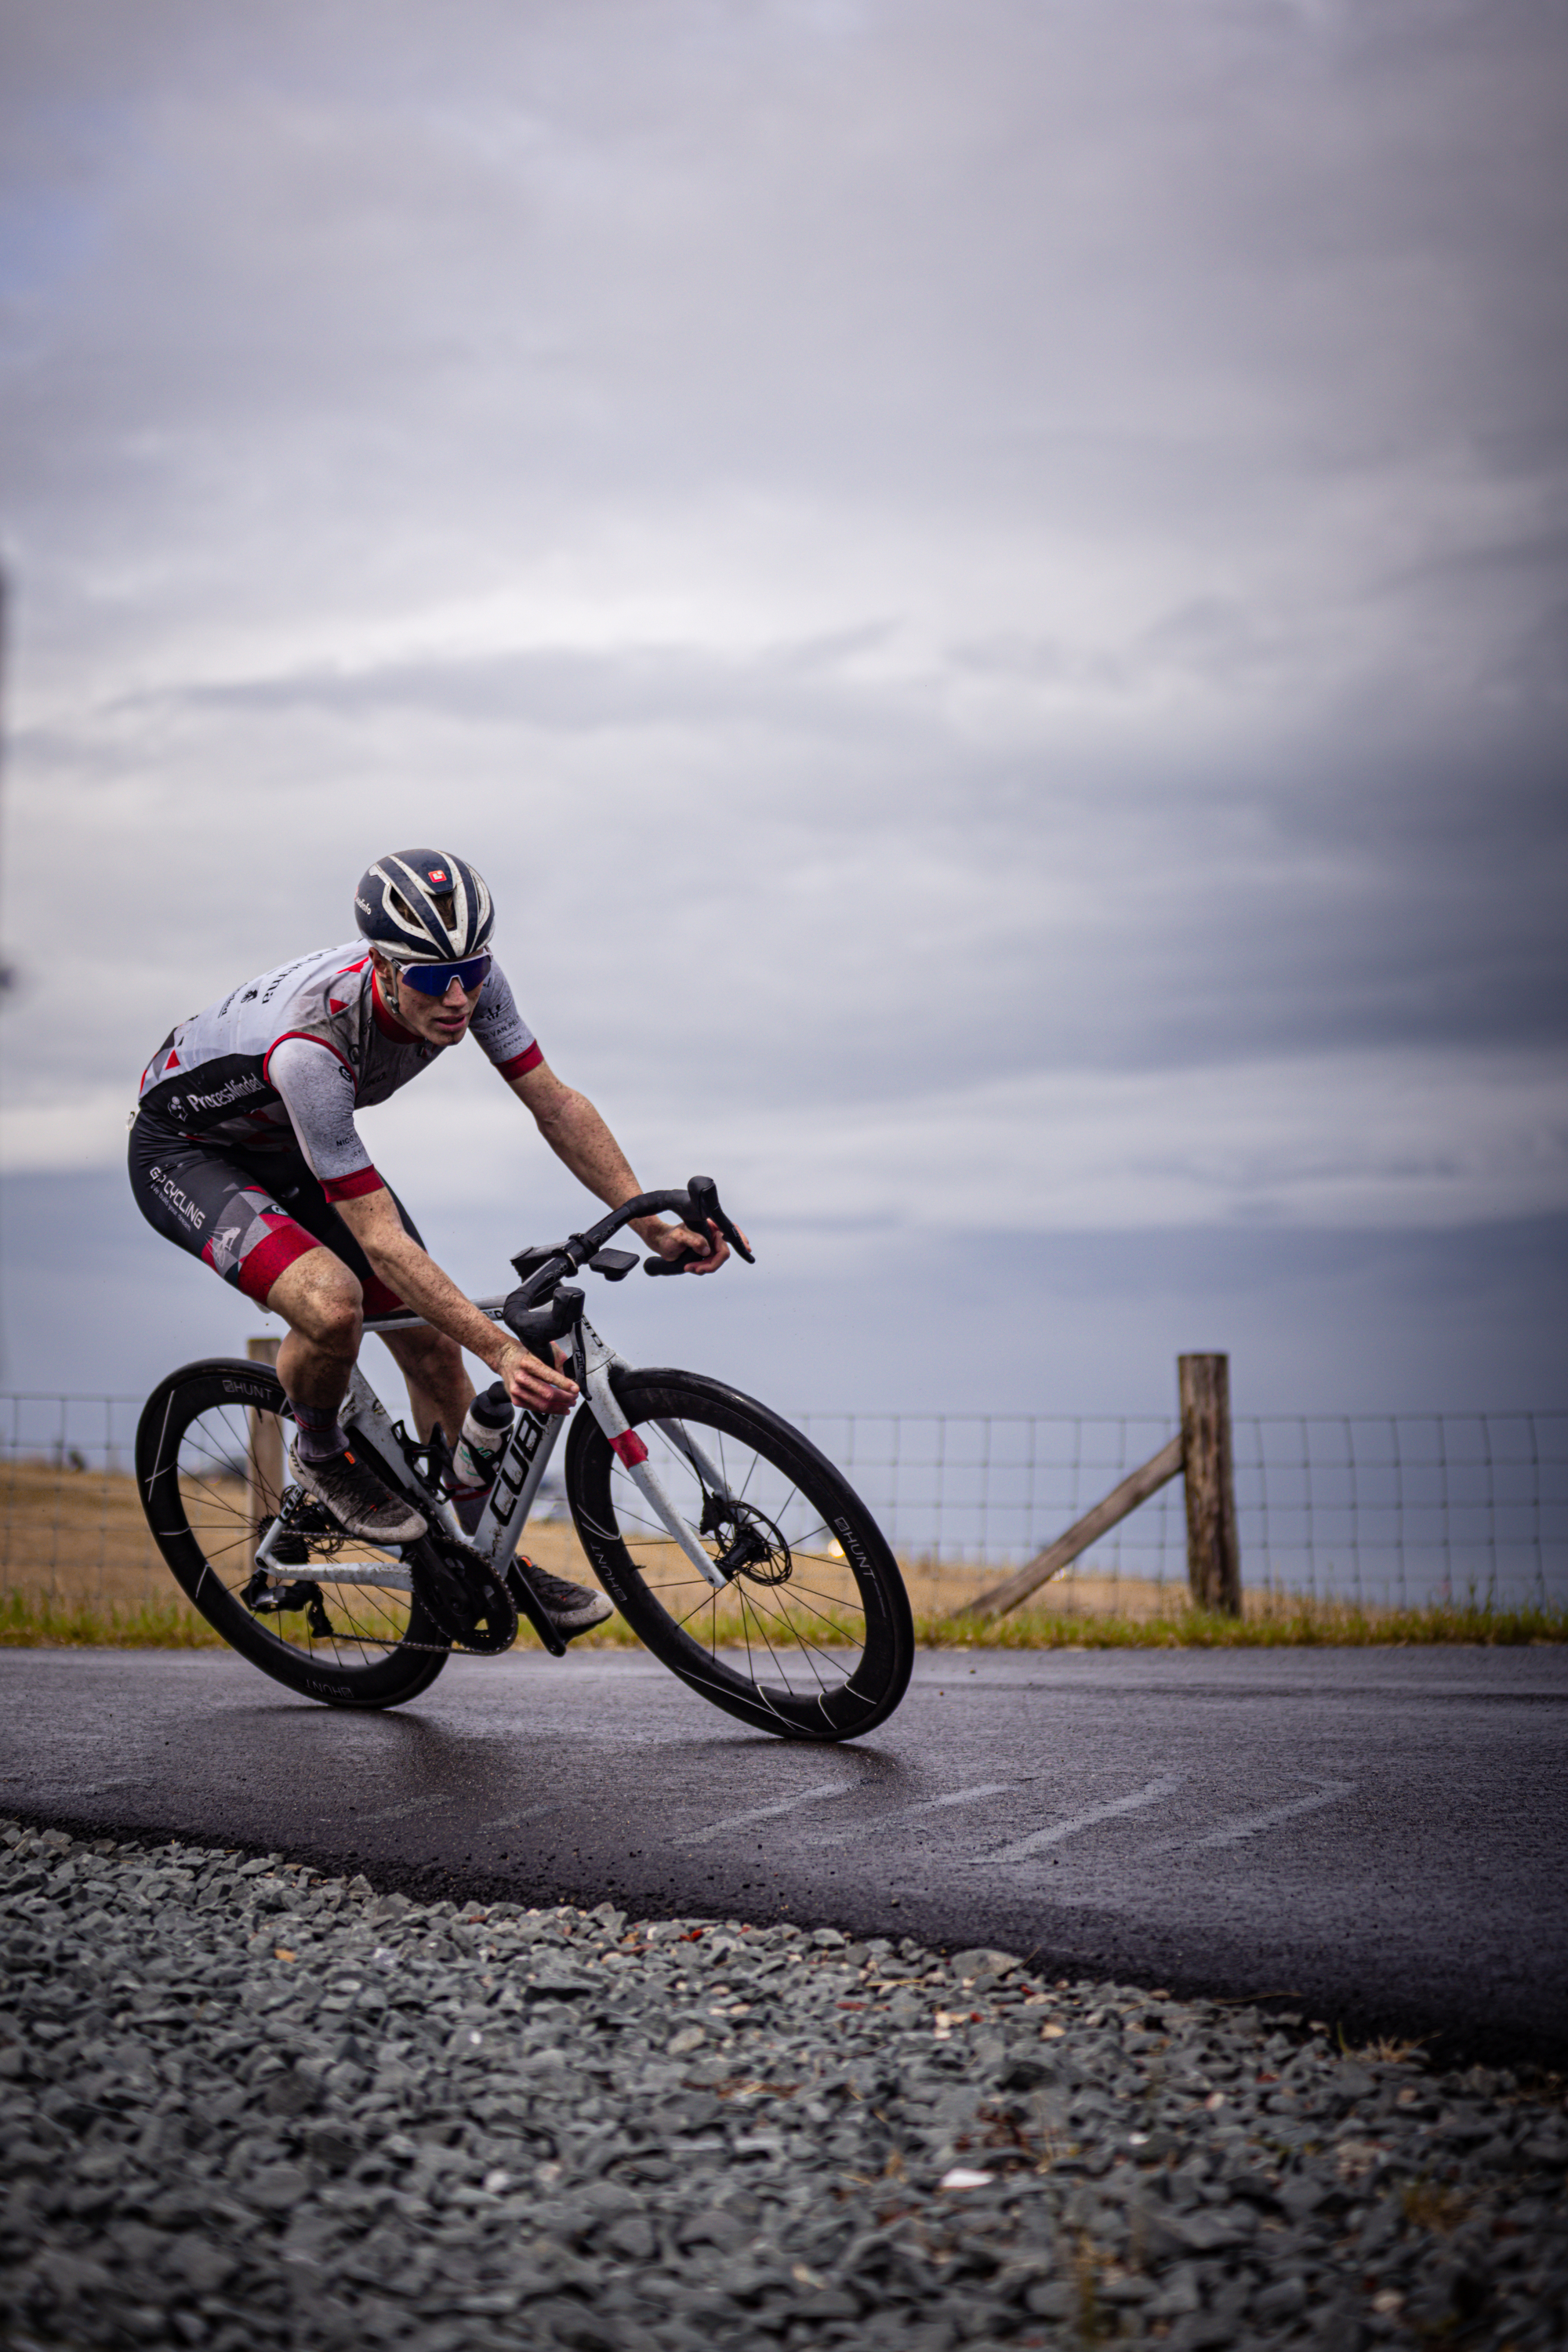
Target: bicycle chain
[{"x": 303, "y": 1517}]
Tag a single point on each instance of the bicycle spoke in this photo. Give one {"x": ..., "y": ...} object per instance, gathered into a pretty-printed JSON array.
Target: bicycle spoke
[{"x": 809, "y": 1648}]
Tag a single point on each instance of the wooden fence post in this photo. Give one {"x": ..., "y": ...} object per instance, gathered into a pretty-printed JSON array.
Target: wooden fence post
[
  {"x": 1214, "y": 1555},
  {"x": 263, "y": 1452}
]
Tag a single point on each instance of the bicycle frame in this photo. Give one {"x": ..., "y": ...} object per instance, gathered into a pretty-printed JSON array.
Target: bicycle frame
[
  {"x": 524, "y": 1462},
  {"x": 535, "y": 1435}
]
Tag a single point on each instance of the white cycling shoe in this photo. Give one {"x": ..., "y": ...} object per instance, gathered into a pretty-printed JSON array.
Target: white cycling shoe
[
  {"x": 361, "y": 1504},
  {"x": 571, "y": 1608}
]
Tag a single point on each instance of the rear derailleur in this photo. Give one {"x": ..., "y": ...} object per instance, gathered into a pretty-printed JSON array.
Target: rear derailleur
[{"x": 300, "y": 1524}]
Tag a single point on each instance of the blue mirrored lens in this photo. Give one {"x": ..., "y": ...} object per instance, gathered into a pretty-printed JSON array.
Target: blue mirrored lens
[{"x": 436, "y": 979}]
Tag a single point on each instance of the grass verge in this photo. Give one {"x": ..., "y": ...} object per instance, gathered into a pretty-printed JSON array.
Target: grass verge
[
  {"x": 27, "y": 1621},
  {"x": 1281, "y": 1623}
]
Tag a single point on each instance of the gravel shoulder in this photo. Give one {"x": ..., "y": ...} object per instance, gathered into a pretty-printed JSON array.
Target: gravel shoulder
[{"x": 242, "y": 2104}]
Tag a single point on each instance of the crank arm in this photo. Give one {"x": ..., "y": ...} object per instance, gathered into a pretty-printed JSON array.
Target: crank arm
[{"x": 521, "y": 1588}]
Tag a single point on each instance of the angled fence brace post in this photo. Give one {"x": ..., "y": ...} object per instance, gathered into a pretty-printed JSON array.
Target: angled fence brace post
[
  {"x": 1214, "y": 1554},
  {"x": 1135, "y": 1488}
]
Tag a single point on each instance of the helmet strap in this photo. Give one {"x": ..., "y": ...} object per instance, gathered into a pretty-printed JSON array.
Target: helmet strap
[{"x": 385, "y": 974}]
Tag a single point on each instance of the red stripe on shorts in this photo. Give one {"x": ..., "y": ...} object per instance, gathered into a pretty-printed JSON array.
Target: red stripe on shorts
[{"x": 261, "y": 1267}]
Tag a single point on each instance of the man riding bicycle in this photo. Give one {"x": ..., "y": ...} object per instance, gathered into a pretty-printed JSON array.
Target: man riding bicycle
[{"x": 244, "y": 1151}]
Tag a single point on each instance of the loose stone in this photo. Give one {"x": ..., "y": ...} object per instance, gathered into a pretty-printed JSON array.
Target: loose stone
[{"x": 245, "y": 2106}]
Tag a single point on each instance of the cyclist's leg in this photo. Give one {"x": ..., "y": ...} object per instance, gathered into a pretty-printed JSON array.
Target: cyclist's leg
[
  {"x": 439, "y": 1388},
  {"x": 320, "y": 1300}
]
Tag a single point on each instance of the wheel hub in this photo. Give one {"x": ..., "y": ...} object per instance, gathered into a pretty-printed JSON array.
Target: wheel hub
[{"x": 755, "y": 1548}]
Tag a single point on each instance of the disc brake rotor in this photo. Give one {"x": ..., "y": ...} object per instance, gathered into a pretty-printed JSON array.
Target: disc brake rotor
[{"x": 755, "y": 1549}]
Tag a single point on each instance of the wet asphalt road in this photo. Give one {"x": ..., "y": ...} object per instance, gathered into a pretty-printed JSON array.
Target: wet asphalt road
[{"x": 1377, "y": 1837}]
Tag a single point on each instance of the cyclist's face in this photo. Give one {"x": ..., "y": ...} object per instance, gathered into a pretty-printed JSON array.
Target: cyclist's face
[{"x": 440, "y": 1020}]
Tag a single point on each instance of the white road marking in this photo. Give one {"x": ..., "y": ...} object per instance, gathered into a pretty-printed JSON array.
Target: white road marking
[
  {"x": 767, "y": 1812},
  {"x": 1231, "y": 1833},
  {"x": 873, "y": 1822},
  {"x": 529, "y": 1813},
  {"x": 1150, "y": 1794},
  {"x": 397, "y": 1812}
]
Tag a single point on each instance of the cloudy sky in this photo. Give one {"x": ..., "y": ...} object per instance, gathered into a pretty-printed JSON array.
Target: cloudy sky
[{"x": 984, "y": 579}]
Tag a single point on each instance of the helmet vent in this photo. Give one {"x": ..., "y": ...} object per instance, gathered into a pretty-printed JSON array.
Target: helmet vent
[{"x": 424, "y": 904}]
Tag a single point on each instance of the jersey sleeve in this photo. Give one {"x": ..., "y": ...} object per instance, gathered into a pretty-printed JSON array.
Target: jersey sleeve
[
  {"x": 502, "y": 1032},
  {"x": 317, "y": 1088}
]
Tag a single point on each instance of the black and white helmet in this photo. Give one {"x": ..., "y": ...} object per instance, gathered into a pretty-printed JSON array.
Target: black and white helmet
[{"x": 421, "y": 906}]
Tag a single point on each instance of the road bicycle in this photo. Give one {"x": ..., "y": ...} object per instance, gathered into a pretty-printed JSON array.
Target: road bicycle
[{"x": 733, "y": 1549}]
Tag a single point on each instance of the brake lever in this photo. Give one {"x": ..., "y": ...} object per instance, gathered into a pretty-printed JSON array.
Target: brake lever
[
  {"x": 703, "y": 1195},
  {"x": 703, "y": 1210}
]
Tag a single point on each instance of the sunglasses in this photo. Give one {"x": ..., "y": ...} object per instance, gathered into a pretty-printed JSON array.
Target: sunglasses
[{"x": 436, "y": 979}]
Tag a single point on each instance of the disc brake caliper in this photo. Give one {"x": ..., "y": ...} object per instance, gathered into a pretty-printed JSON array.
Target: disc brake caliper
[{"x": 755, "y": 1549}]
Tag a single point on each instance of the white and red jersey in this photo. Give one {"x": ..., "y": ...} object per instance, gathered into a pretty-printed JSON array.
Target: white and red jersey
[{"x": 284, "y": 1062}]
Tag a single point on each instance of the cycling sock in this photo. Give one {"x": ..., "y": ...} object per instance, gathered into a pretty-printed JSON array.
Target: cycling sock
[{"x": 320, "y": 1438}]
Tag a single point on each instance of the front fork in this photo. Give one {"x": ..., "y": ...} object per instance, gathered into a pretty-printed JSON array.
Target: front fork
[{"x": 595, "y": 1363}]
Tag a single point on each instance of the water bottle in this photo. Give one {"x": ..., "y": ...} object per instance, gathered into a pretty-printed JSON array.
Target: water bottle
[{"x": 485, "y": 1428}]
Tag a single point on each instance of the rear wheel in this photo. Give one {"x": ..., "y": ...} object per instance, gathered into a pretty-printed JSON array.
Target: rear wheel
[
  {"x": 335, "y": 1622},
  {"x": 811, "y": 1637}
]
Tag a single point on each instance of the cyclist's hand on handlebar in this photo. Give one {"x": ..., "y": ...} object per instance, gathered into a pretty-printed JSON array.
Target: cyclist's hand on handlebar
[
  {"x": 676, "y": 1240},
  {"x": 538, "y": 1386}
]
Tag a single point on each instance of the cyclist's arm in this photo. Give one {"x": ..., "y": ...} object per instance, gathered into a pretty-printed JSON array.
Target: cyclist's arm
[
  {"x": 578, "y": 1136},
  {"x": 413, "y": 1273}
]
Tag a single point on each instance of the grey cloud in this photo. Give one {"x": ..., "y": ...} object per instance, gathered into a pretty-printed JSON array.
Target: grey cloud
[{"x": 1103, "y": 468}]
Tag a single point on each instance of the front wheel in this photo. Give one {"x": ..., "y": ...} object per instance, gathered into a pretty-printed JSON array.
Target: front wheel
[
  {"x": 339, "y": 1622},
  {"x": 811, "y": 1637}
]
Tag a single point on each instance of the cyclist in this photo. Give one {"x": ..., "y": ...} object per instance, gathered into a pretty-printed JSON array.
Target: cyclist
[{"x": 244, "y": 1151}]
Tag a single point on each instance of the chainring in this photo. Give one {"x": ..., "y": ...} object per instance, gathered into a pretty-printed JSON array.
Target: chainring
[{"x": 461, "y": 1594}]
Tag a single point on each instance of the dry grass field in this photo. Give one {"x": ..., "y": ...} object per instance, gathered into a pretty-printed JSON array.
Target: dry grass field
[{"x": 78, "y": 1565}]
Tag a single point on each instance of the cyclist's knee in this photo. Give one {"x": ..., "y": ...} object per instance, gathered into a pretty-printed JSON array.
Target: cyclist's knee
[
  {"x": 320, "y": 1298},
  {"x": 340, "y": 1319}
]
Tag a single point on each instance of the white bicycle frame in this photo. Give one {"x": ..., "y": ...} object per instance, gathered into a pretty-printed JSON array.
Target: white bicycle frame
[{"x": 522, "y": 1466}]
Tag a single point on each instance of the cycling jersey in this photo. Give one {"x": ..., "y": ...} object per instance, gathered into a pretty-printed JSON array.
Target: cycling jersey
[{"x": 283, "y": 1062}]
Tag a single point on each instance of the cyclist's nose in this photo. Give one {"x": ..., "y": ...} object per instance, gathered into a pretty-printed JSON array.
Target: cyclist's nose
[{"x": 456, "y": 996}]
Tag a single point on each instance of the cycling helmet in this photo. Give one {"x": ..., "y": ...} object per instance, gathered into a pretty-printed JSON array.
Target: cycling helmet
[{"x": 422, "y": 906}]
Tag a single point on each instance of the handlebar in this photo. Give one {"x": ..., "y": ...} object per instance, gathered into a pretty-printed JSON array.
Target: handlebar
[{"x": 697, "y": 1206}]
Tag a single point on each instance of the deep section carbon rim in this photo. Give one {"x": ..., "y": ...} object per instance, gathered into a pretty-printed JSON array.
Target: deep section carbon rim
[
  {"x": 333, "y": 1617},
  {"x": 811, "y": 1637}
]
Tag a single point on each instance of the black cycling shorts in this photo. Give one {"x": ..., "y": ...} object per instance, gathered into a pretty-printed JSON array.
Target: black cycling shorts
[{"x": 247, "y": 1215}]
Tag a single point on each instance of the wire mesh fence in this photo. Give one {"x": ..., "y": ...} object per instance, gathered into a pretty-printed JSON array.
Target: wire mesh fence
[
  {"x": 71, "y": 1528},
  {"x": 1391, "y": 1510}
]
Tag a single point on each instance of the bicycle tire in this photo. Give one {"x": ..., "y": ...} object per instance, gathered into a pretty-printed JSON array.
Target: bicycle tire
[
  {"x": 786, "y": 1669},
  {"x": 201, "y": 1470}
]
